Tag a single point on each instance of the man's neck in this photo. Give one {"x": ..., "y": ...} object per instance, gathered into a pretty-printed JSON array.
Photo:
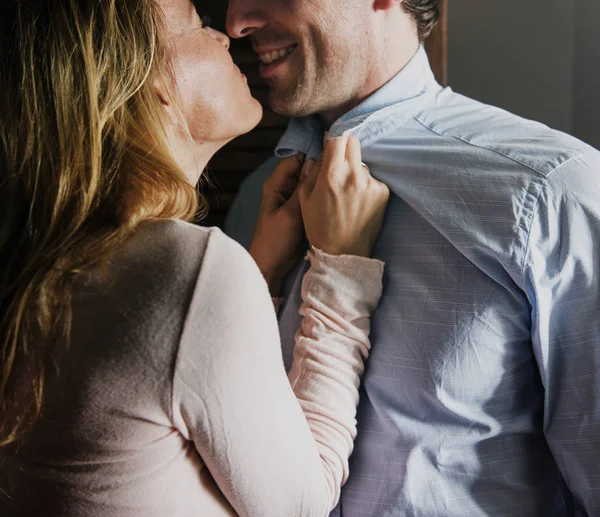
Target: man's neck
[{"x": 386, "y": 70}]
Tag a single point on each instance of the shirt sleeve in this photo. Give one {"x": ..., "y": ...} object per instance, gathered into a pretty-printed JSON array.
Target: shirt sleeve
[
  {"x": 562, "y": 281},
  {"x": 275, "y": 446}
]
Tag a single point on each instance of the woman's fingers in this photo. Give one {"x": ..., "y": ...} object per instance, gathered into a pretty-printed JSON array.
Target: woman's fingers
[
  {"x": 279, "y": 230},
  {"x": 282, "y": 182},
  {"x": 342, "y": 204},
  {"x": 334, "y": 158},
  {"x": 306, "y": 168},
  {"x": 292, "y": 205},
  {"x": 353, "y": 153},
  {"x": 287, "y": 168},
  {"x": 341, "y": 156},
  {"x": 308, "y": 178}
]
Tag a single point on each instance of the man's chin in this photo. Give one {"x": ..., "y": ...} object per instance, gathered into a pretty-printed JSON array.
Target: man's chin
[{"x": 288, "y": 104}]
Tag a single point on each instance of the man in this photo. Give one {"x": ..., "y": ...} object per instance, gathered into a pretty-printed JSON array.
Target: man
[{"x": 482, "y": 393}]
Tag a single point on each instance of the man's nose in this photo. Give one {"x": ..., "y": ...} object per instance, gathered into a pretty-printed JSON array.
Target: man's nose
[{"x": 244, "y": 17}]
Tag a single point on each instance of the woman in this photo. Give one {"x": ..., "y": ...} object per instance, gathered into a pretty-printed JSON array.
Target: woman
[{"x": 141, "y": 369}]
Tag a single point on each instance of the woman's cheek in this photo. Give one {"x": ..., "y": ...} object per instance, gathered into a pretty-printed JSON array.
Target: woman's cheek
[
  {"x": 217, "y": 102},
  {"x": 204, "y": 95}
]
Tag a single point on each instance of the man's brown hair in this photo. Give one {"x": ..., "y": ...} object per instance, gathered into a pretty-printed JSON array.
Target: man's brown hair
[{"x": 425, "y": 12}]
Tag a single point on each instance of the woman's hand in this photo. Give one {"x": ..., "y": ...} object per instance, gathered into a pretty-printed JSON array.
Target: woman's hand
[
  {"x": 342, "y": 205},
  {"x": 277, "y": 242}
]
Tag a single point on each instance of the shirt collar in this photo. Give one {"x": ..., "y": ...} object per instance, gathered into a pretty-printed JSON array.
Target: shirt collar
[{"x": 305, "y": 134}]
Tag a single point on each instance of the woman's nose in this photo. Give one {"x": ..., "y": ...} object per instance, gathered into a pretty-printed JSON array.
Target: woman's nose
[{"x": 222, "y": 38}]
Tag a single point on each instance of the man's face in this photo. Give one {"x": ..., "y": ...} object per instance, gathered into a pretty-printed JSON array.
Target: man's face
[{"x": 314, "y": 54}]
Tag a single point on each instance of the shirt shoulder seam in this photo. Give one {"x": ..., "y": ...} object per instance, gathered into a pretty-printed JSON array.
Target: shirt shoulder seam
[
  {"x": 534, "y": 210},
  {"x": 495, "y": 151}
]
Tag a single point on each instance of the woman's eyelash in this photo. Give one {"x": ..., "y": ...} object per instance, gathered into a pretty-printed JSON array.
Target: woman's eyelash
[{"x": 205, "y": 22}]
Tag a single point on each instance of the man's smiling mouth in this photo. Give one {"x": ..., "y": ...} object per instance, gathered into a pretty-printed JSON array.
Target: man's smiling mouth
[{"x": 267, "y": 58}]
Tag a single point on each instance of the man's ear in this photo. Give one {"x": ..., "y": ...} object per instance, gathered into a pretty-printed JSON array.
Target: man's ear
[{"x": 385, "y": 5}]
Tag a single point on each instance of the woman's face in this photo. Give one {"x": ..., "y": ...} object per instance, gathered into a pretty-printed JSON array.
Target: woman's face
[{"x": 213, "y": 94}]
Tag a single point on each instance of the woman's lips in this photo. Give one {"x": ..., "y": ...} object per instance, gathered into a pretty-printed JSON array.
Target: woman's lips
[{"x": 242, "y": 74}]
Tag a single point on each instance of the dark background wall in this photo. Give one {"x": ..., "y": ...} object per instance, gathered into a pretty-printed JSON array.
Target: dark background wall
[{"x": 537, "y": 58}]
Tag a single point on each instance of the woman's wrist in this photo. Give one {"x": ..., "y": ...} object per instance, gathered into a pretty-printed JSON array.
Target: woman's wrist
[
  {"x": 273, "y": 278},
  {"x": 346, "y": 284},
  {"x": 274, "y": 282}
]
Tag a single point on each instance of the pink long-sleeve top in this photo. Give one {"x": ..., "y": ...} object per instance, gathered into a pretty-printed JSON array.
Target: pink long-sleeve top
[{"x": 173, "y": 400}]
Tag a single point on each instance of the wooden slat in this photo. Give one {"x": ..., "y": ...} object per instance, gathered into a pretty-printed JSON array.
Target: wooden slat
[
  {"x": 273, "y": 120},
  {"x": 264, "y": 140},
  {"x": 239, "y": 158},
  {"x": 226, "y": 179},
  {"x": 246, "y": 160},
  {"x": 221, "y": 199}
]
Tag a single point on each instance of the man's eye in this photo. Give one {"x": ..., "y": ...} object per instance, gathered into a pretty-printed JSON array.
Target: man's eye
[{"x": 205, "y": 22}]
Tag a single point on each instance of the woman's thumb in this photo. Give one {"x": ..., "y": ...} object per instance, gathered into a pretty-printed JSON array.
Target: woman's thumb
[
  {"x": 288, "y": 167},
  {"x": 292, "y": 205}
]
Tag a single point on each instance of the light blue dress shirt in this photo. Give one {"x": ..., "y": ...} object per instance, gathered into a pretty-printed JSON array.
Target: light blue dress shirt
[{"x": 482, "y": 393}]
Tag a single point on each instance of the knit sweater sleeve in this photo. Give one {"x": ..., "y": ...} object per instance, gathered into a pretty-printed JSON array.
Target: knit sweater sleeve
[{"x": 275, "y": 446}]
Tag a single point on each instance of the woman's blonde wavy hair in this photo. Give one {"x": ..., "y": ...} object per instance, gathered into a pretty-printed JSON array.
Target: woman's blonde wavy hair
[{"x": 84, "y": 158}]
